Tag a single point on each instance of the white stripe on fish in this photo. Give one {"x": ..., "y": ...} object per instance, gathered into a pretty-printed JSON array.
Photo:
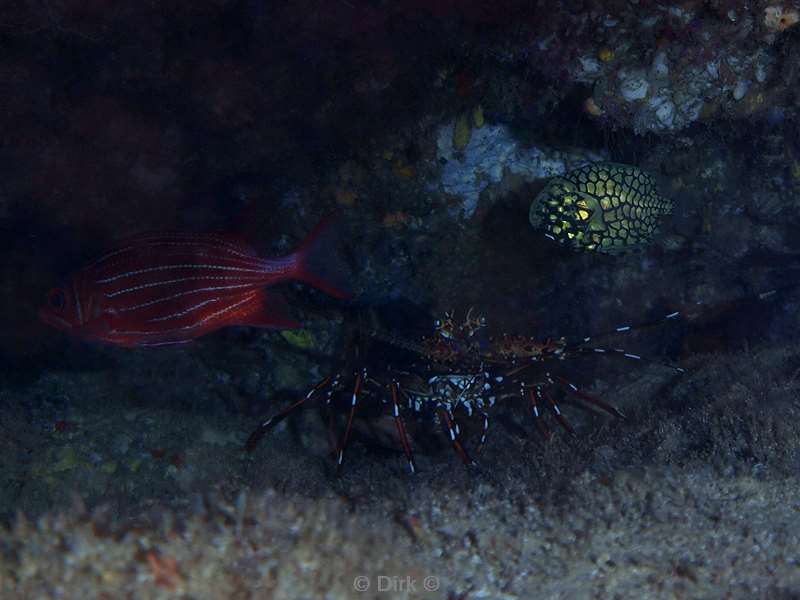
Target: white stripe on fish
[
  {"x": 205, "y": 319},
  {"x": 255, "y": 280},
  {"x": 178, "y": 295},
  {"x": 179, "y": 266}
]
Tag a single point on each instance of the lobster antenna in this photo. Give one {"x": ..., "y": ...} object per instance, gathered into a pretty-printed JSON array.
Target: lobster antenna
[
  {"x": 624, "y": 328},
  {"x": 620, "y": 352},
  {"x": 392, "y": 339}
]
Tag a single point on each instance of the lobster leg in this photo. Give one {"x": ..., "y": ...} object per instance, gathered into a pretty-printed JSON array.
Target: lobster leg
[
  {"x": 452, "y": 429},
  {"x": 613, "y": 410},
  {"x": 346, "y": 436},
  {"x": 536, "y": 399},
  {"x": 262, "y": 429},
  {"x": 557, "y": 412},
  {"x": 401, "y": 429},
  {"x": 484, "y": 432},
  {"x": 332, "y": 442}
]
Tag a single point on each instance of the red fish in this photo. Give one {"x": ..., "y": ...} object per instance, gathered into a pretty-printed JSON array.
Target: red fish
[{"x": 171, "y": 288}]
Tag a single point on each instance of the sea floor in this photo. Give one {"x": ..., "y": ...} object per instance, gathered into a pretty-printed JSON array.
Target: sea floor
[{"x": 692, "y": 495}]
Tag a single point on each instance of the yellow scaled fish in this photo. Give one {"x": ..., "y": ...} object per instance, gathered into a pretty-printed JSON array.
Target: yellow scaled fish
[{"x": 601, "y": 207}]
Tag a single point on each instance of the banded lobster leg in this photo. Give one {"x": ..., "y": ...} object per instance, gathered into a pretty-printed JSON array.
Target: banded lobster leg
[
  {"x": 579, "y": 349},
  {"x": 401, "y": 428},
  {"x": 446, "y": 416},
  {"x": 262, "y": 429},
  {"x": 537, "y": 394},
  {"x": 361, "y": 379},
  {"x": 395, "y": 390},
  {"x": 331, "y": 383},
  {"x": 538, "y": 397},
  {"x": 484, "y": 432},
  {"x": 453, "y": 431},
  {"x": 594, "y": 400}
]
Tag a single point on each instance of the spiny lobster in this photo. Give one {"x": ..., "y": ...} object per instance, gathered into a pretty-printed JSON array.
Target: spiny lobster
[{"x": 455, "y": 371}]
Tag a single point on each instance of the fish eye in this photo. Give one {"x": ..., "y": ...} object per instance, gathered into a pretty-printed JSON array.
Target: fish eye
[{"x": 57, "y": 299}]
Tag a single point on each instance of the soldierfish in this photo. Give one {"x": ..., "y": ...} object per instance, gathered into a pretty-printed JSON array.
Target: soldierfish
[{"x": 170, "y": 288}]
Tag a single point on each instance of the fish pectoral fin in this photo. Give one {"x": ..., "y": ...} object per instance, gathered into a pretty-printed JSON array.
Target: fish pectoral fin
[{"x": 268, "y": 310}]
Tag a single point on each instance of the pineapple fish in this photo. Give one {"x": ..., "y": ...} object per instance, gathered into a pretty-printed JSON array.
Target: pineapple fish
[{"x": 602, "y": 207}]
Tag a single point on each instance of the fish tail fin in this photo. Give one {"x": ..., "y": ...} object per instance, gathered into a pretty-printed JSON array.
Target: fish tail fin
[{"x": 320, "y": 265}]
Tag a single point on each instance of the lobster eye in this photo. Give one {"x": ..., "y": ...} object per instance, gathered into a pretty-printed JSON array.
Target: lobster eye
[{"x": 57, "y": 299}]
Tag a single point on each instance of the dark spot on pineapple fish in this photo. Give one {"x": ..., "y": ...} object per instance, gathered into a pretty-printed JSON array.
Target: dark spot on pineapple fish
[{"x": 603, "y": 207}]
